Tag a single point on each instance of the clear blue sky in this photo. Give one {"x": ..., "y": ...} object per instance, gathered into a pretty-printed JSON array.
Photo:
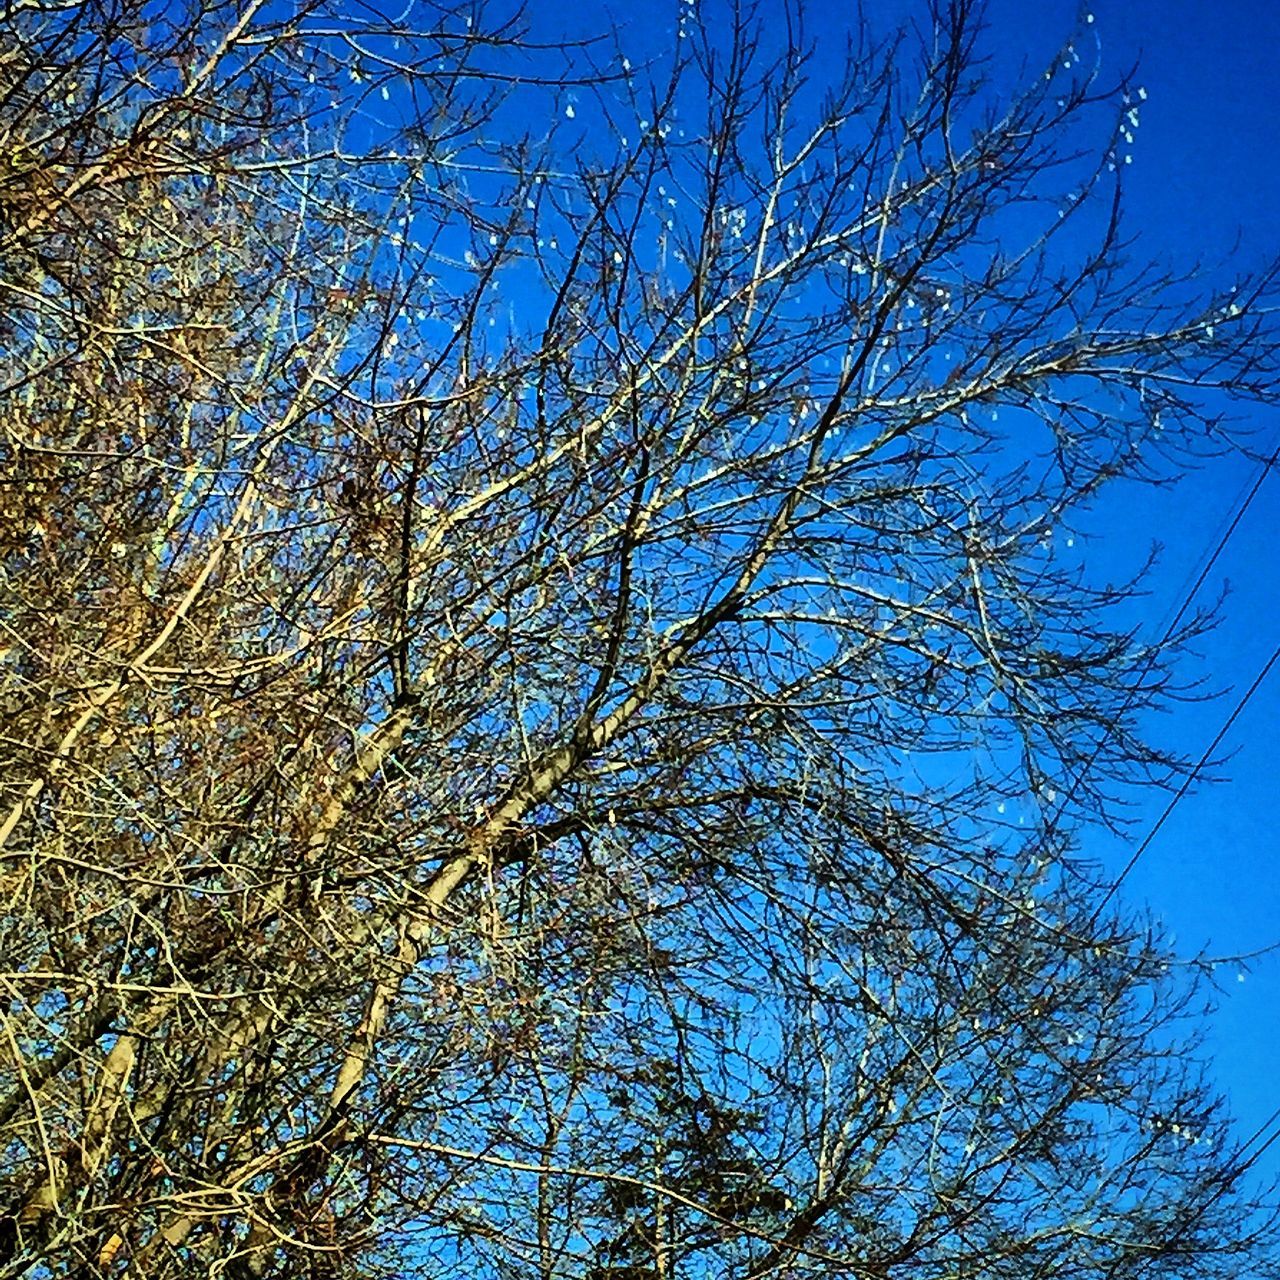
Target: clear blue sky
[{"x": 1205, "y": 181}]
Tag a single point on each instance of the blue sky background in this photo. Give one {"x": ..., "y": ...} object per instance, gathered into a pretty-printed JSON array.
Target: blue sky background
[{"x": 1204, "y": 184}]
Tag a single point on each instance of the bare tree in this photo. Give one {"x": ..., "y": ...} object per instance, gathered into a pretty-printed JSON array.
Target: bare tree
[{"x": 545, "y": 699}]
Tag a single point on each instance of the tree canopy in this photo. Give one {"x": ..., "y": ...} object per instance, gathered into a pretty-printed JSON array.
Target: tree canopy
[{"x": 550, "y": 720}]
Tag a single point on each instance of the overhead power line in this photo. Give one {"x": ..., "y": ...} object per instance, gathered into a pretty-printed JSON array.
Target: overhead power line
[
  {"x": 1241, "y": 510},
  {"x": 1190, "y": 779}
]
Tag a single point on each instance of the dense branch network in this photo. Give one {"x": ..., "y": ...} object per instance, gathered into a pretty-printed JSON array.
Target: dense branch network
[{"x": 545, "y": 692}]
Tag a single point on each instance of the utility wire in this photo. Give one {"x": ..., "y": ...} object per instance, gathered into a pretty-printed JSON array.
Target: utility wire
[
  {"x": 1254, "y": 1136},
  {"x": 1246, "y": 1162},
  {"x": 1189, "y": 780},
  {"x": 1227, "y": 525},
  {"x": 1192, "y": 591},
  {"x": 1242, "y": 509}
]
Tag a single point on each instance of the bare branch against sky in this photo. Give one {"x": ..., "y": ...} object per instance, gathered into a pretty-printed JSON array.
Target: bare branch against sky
[{"x": 550, "y": 720}]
